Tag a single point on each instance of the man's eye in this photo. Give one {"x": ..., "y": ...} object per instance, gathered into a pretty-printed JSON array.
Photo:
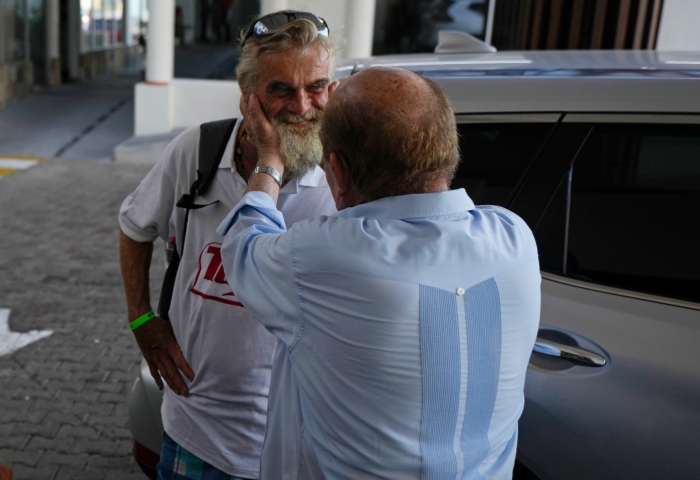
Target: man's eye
[{"x": 280, "y": 89}]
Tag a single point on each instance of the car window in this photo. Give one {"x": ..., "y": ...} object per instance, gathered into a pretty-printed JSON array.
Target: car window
[
  {"x": 495, "y": 156},
  {"x": 634, "y": 195},
  {"x": 550, "y": 231}
]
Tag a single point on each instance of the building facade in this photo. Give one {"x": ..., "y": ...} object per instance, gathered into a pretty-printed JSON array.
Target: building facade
[{"x": 48, "y": 42}]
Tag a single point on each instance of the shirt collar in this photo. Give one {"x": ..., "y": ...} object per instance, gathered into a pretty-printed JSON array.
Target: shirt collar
[
  {"x": 418, "y": 205},
  {"x": 227, "y": 158},
  {"x": 314, "y": 178}
]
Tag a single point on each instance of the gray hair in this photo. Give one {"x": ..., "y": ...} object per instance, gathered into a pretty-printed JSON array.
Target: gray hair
[{"x": 300, "y": 33}]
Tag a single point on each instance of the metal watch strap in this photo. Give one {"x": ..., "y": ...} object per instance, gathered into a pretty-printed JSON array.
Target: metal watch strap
[{"x": 270, "y": 171}]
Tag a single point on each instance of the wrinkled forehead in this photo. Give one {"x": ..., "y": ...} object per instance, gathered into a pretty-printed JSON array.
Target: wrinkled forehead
[
  {"x": 314, "y": 53},
  {"x": 308, "y": 64}
]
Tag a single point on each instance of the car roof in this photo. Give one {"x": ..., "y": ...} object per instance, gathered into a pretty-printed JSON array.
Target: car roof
[{"x": 557, "y": 81}]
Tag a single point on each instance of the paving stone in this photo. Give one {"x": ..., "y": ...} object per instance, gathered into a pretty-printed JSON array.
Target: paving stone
[
  {"x": 111, "y": 463},
  {"x": 113, "y": 397},
  {"x": 77, "y": 461},
  {"x": 33, "y": 393},
  {"x": 31, "y": 415},
  {"x": 50, "y": 444},
  {"x": 14, "y": 442},
  {"x": 116, "y": 432},
  {"x": 116, "y": 387},
  {"x": 69, "y": 431},
  {"x": 47, "y": 429},
  {"x": 41, "y": 472},
  {"x": 104, "y": 446},
  {"x": 13, "y": 404},
  {"x": 65, "y": 417},
  {"x": 100, "y": 409},
  {"x": 12, "y": 457},
  {"x": 78, "y": 396},
  {"x": 89, "y": 377},
  {"x": 129, "y": 476},
  {"x": 34, "y": 366},
  {"x": 70, "y": 473},
  {"x": 71, "y": 386}
]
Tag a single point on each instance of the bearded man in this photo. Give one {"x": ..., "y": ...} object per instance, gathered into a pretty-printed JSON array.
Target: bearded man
[{"x": 213, "y": 358}]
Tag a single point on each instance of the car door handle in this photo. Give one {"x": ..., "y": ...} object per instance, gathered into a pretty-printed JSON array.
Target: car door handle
[{"x": 567, "y": 352}]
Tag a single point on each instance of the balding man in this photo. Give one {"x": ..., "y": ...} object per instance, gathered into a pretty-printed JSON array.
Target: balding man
[{"x": 406, "y": 319}]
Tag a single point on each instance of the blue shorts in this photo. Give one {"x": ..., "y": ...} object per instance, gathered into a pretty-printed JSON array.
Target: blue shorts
[{"x": 176, "y": 463}]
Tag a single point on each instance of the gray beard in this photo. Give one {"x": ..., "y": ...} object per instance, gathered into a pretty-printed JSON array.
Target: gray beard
[{"x": 300, "y": 148}]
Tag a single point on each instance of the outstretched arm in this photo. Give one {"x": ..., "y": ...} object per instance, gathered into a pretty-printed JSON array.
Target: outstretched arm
[{"x": 155, "y": 338}]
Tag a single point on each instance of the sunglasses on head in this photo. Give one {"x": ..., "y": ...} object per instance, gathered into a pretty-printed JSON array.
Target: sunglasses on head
[{"x": 274, "y": 22}]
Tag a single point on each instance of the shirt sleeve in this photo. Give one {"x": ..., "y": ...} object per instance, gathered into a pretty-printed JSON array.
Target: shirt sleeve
[
  {"x": 147, "y": 213},
  {"x": 257, "y": 260}
]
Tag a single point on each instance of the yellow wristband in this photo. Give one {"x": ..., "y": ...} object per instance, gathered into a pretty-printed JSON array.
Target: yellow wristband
[{"x": 141, "y": 320}]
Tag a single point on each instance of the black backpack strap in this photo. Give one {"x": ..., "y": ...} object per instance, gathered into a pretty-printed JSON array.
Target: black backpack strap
[{"x": 213, "y": 138}]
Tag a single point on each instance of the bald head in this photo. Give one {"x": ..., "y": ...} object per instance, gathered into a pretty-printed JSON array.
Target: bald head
[
  {"x": 394, "y": 131},
  {"x": 388, "y": 91}
]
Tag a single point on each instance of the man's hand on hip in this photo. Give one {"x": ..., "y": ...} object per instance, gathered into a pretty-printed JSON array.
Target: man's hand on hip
[{"x": 163, "y": 355}]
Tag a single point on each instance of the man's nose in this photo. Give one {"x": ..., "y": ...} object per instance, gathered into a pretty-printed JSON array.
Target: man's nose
[{"x": 301, "y": 103}]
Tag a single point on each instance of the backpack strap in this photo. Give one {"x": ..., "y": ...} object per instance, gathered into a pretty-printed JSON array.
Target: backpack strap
[{"x": 213, "y": 138}]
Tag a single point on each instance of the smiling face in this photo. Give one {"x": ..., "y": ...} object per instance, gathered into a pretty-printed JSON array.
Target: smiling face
[
  {"x": 294, "y": 82},
  {"x": 293, "y": 88}
]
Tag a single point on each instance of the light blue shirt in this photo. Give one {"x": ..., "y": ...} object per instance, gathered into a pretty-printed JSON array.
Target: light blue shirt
[{"x": 405, "y": 328}]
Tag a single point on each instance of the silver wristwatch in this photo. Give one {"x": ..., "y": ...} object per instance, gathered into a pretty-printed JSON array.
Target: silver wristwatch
[{"x": 269, "y": 170}]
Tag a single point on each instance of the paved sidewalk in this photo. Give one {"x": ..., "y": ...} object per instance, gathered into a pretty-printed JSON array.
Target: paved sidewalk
[{"x": 63, "y": 399}]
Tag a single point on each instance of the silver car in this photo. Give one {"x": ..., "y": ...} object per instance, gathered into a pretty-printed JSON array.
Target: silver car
[{"x": 599, "y": 152}]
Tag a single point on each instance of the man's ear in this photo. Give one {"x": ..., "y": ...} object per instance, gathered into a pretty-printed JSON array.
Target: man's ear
[
  {"x": 341, "y": 174},
  {"x": 243, "y": 105},
  {"x": 346, "y": 194},
  {"x": 333, "y": 85}
]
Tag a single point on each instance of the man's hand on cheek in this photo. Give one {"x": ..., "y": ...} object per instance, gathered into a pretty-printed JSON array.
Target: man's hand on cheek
[{"x": 261, "y": 133}]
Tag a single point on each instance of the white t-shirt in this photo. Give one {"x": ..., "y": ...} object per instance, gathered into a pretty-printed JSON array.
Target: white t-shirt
[{"x": 223, "y": 418}]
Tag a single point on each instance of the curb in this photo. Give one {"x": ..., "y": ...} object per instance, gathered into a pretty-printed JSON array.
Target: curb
[{"x": 144, "y": 150}]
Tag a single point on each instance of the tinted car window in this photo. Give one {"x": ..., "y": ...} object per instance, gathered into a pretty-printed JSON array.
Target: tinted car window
[
  {"x": 495, "y": 157},
  {"x": 634, "y": 203},
  {"x": 550, "y": 231}
]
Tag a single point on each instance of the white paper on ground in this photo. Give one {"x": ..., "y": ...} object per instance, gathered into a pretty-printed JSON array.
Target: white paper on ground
[{"x": 10, "y": 342}]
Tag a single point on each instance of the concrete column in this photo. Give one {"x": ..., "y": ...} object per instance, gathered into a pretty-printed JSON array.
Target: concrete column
[
  {"x": 25, "y": 5},
  {"x": 153, "y": 100},
  {"x": 74, "y": 31},
  {"x": 53, "y": 43},
  {"x": 160, "y": 49},
  {"x": 269, "y": 6},
  {"x": 359, "y": 22},
  {"x": 3, "y": 34}
]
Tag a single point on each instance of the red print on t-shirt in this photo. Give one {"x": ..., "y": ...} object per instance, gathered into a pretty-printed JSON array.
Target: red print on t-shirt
[{"x": 210, "y": 282}]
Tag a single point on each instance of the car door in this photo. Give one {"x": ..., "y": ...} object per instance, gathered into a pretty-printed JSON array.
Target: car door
[{"x": 615, "y": 389}]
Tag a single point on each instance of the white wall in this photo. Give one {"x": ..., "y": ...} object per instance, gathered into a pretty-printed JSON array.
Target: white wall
[
  {"x": 199, "y": 101},
  {"x": 183, "y": 103},
  {"x": 680, "y": 26}
]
